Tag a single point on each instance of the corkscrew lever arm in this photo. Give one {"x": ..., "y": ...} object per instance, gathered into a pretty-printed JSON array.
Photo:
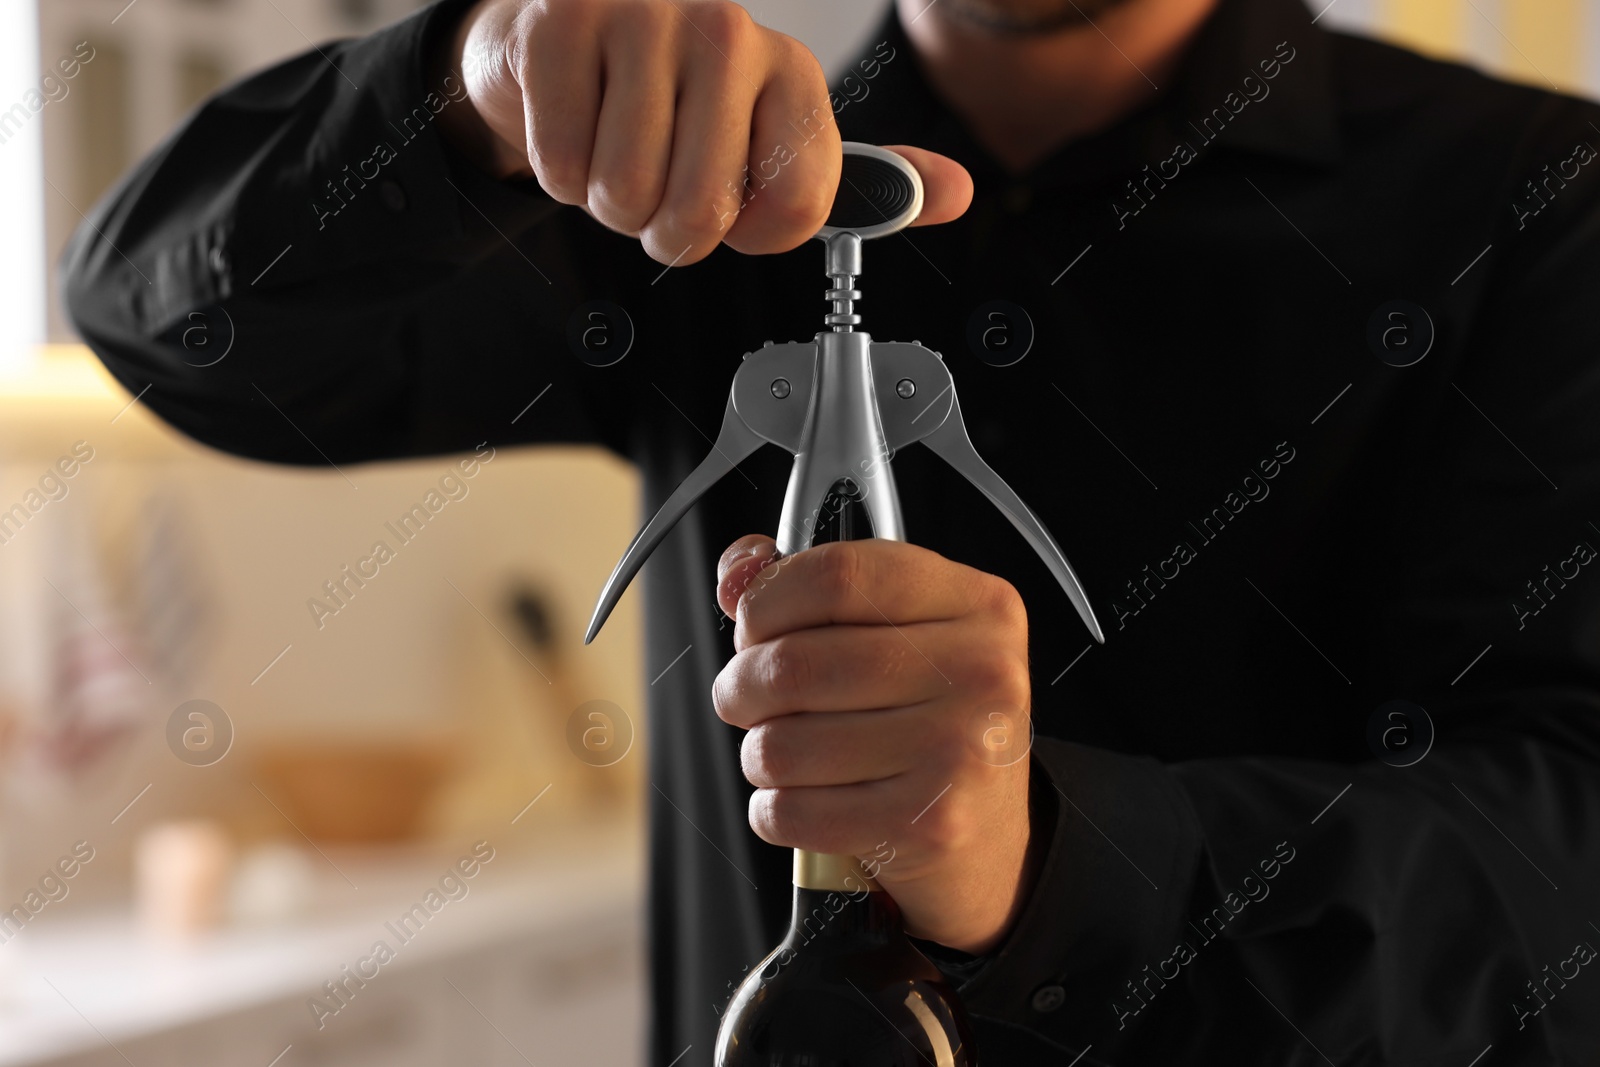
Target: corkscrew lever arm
[
  {"x": 735, "y": 441},
  {"x": 951, "y": 444}
]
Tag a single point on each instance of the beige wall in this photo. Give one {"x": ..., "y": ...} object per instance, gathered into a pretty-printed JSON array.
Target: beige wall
[
  {"x": 1551, "y": 43},
  {"x": 407, "y": 657}
]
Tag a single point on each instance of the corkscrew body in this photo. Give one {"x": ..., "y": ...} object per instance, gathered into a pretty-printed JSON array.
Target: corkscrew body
[{"x": 843, "y": 404}]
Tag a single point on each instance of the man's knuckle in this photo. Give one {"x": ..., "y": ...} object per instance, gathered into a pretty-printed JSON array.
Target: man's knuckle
[
  {"x": 628, "y": 193},
  {"x": 1001, "y": 598},
  {"x": 650, "y": 20},
  {"x": 838, "y": 570},
  {"x": 777, "y": 816},
  {"x": 800, "y": 63},
  {"x": 727, "y": 26},
  {"x": 562, "y": 174},
  {"x": 800, "y": 207},
  {"x": 940, "y": 830},
  {"x": 945, "y": 756},
  {"x": 536, "y": 22},
  {"x": 1015, "y": 685},
  {"x": 983, "y": 670},
  {"x": 696, "y": 223},
  {"x": 722, "y": 692},
  {"x": 765, "y": 758},
  {"x": 789, "y": 668}
]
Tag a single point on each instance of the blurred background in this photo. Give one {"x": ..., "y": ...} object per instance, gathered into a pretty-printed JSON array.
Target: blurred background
[{"x": 212, "y": 810}]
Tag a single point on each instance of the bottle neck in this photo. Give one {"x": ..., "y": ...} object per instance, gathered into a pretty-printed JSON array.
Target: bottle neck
[{"x": 837, "y": 917}]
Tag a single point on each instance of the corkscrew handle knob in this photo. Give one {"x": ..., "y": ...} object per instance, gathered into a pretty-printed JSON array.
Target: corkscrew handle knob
[{"x": 880, "y": 193}]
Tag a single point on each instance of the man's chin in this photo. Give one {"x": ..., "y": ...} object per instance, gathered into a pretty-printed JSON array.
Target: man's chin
[{"x": 1026, "y": 16}]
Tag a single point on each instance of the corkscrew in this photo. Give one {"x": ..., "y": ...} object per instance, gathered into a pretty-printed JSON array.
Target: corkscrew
[{"x": 843, "y": 405}]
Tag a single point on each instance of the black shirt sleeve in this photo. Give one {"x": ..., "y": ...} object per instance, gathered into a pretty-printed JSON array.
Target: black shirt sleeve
[{"x": 301, "y": 220}]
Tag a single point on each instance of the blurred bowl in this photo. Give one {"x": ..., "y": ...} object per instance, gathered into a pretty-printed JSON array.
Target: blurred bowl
[{"x": 355, "y": 792}]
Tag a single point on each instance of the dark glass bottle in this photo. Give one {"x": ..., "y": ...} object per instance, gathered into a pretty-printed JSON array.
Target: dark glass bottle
[{"x": 846, "y": 988}]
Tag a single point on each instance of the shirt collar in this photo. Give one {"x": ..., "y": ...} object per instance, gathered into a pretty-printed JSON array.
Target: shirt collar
[
  {"x": 1295, "y": 114},
  {"x": 1295, "y": 119}
]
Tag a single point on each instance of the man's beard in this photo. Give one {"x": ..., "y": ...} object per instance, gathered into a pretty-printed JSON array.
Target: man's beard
[{"x": 1026, "y": 17}]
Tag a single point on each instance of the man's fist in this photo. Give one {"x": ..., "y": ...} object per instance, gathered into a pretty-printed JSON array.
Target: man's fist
[
  {"x": 680, "y": 122},
  {"x": 885, "y": 691}
]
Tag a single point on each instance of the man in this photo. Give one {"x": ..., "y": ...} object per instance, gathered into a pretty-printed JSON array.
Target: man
[{"x": 1307, "y": 392}]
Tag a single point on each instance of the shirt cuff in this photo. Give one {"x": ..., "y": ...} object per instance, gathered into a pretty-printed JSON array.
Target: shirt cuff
[{"x": 1110, "y": 896}]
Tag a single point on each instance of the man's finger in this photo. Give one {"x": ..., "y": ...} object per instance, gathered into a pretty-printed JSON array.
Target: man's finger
[
  {"x": 806, "y": 749},
  {"x": 710, "y": 136},
  {"x": 741, "y": 567},
  {"x": 946, "y": 185},
  {"x": 633, "y": 139},
  {"x": 867, "y": 582},
  {"x": 845, "y": 668},
  {"x": 561, "y": 87},
  {"x": 854, "y": 819},
  {"x": 794, "y": 158}
]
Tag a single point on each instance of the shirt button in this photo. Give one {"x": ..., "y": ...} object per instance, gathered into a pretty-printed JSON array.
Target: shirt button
[
  {"x": 392, "y": 196},
  {"x": 1049, "y": 998},
  {"x": 219, "y": 260}
]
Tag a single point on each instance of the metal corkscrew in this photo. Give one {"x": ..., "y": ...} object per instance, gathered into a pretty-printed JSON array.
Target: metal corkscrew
[{"x": 844, "y": 405}]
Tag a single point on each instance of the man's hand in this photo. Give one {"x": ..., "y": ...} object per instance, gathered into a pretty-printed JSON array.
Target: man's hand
[
  {"x": 885, "y": 690},
  {"x": 680, "y": 122}
]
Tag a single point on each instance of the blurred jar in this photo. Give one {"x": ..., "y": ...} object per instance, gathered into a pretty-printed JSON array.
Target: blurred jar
[{"x": 181, "y": 874}]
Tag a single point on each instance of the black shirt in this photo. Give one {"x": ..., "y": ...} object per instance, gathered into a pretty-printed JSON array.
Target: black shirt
[{"x": 1281, "y": 531}]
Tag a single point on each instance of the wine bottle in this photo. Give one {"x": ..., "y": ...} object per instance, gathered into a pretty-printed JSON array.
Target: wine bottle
[{"x": 846, "y": 987}]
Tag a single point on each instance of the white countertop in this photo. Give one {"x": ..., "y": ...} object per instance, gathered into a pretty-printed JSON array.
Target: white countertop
[{"x": 86, "y": 978}]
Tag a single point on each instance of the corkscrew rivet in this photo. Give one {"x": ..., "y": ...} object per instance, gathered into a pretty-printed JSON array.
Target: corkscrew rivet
[
  {"x": 906, "y": 388},
  {"x": 780, "y": 387}
]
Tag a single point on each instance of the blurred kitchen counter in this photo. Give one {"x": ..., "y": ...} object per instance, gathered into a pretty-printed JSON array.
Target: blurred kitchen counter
[{"x": 541, "y": 961}]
